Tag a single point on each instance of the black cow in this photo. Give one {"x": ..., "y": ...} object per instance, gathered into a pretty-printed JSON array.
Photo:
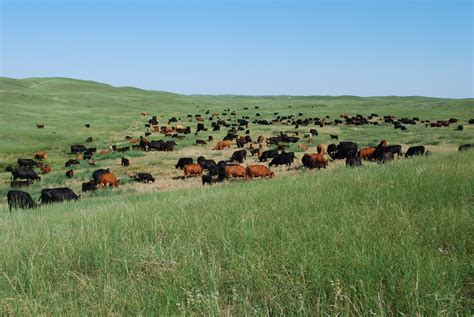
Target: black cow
[
  {"x": 25, "y": 173},
  {"x": 460, "y": 127},
  {"x": 334, "y": 136},
  {"x": 96, "y": 174},
  {"x": 205, "y": 163},
  {"x": 20, "y": 199},
  {"x": 239, "y": 156},
  {"x": 27, "y": 163},
  {"x": 18, "y": 184},
  {"x": 72, "y": 162},
  {"x": 201, "y": 142},
  {"x": 125, "y": 162},
  {"x": 183, "y": 161},
  {"x": 378, "y": 154},
  {"x": 283, "y": 159},
  {"x": 465, "y": 147},
  {"x": 144, "y": 177},
  {"x": 53, "y": 195},
  {"x": 89, "y": 186},
  {"x": 78, "y": 148},
  {"x": 200, "y": 127},
  {"x": 265, "y": 155},
  {"x": 353, "y": 161},
  {"x": 343, "y": 150},
  {"x": 207, "y": 179},
  {"x": 415, "y": 150}
]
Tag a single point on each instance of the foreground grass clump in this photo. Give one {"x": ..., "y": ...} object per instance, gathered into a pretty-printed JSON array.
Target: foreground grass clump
[{"x": 382, "y": 239}]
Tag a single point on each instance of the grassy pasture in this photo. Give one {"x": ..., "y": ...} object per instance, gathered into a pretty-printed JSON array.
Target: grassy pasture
[{"x": 382, "y": 239}]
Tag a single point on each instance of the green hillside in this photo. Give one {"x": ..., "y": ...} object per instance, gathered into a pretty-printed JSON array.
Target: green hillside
[{"x": 383, "y": 239}]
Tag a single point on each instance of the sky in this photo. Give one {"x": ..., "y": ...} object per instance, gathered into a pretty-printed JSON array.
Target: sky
[{"x": 259, "y": 47}]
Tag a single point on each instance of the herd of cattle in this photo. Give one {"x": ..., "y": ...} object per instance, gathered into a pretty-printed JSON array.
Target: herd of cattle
[{"x": 24, "y": 174}]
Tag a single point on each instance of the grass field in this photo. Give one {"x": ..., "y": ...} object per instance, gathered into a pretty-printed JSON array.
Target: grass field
[{"x": 383, "y": 239}]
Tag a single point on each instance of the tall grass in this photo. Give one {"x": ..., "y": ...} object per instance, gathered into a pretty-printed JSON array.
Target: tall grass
[{"x": 387, "y": 239}]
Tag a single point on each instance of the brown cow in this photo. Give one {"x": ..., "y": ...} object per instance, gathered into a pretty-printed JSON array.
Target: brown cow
[
  {"x": 318, "y": 158},
  {"x": 366, "y": 152},
  {"x": 104, "y": 151},
  {"x": 108, "y": 179},
  {"x": 235, "y": 171},
  {"x": 192, "y": 169},
  {"x": 303, "y": 147},
  {"x": 46, "y": 169},
  {"x": 261, "y": 139},
  {"x": 222, "y": 145},
  {"x": 258, "y": 171},
  {"x": 321, "y": 149},
  {"x": 134, "y": 141},
  {"x": 145, "y": 113},
  {"x": 41, "y": 155}
]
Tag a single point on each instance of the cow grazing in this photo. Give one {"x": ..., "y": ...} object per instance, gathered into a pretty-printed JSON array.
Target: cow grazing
[
  {"x": 97, "y": 173},
  {"x": 320, "y": 161},
  {"x": 283, "y": 159},
  {"x": 25, "y": 173},
  {"x": 308, "y": 162},
  {"x": 89, "y": 186},
  {"x": 40, "y": 156},
  {"x": 353, "y": 161},
  {"x": 70, "y": 174},
  {"x": 89, "y": 140},
  {"x": 71, "y": 163},
  {"x": 18, "y": 184},
  {"x": 378, "y": 154},
  {"x": 222, "y": 145},
  {"x": 27, "y": 163},
  {"x": 40, "y": 126},
  {"x": 205, "y": 163},
  {"x": 415, "y": 150},
  {"x": 366, "y": 152},
  {"x": 265, "y": 155},
  {"x": 54, "y": 195},
  {"x": 108, "y": 179},
  {"x": 200, "y": 142},
  {"x": 87, "y": 125},
  {"x": 334, "y": 137},
  {"x": 125, "y": 162},
  {"x": 19, "y": 199},
  {"x": 258, "y": 171},
  {"x": 460, "y": 127},
  {"x": 232, "y": 171},
  {"x": 183, "y": 161},
  {"x": 239, "y": 156},
  {"x": 144, "y": 177},
  {"x": 343, "y": 150},
  {"x": 192, "y": 169},
  {"x": 77, "y": 148}
]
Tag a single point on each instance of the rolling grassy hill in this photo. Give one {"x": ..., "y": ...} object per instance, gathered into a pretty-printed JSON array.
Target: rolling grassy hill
[{"x": 382, "y": 239}]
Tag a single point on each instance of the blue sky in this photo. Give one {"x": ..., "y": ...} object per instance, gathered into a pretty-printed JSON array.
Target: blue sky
[{"x": 337, "y": 47}]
